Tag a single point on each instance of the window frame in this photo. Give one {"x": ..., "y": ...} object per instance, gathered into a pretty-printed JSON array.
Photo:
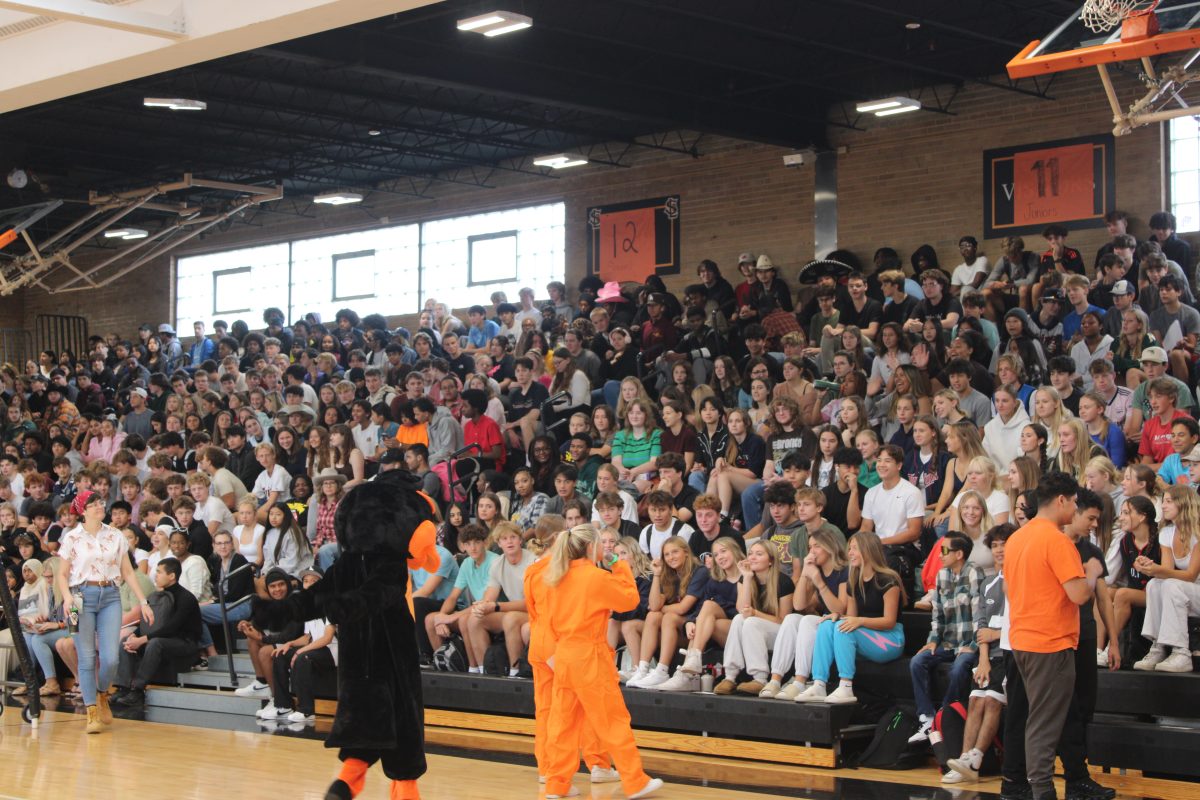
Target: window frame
[
  {"x": 471, "y": 240},
  {"x": 216, "y": 276},
  {"x": 333, "y": 283}
]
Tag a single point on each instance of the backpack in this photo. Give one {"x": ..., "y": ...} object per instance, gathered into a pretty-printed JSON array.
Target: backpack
[
  {"x": 644, "y": 538},
  {"x": 889, "y": 747},
  {"x": 949, "y": 725},
  {"x": 495, "y": 659},
  {"x": 451, "y": 657}
]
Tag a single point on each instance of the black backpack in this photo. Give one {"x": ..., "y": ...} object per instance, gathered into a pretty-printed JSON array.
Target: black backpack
[
  {"x": 949, "y": 725},
  {"x": 451, "y": 657},
  {"x": 889, "y": 747}
]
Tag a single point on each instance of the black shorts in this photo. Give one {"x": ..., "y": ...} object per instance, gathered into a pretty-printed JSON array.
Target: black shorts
[{"x": 995, "y": 686}]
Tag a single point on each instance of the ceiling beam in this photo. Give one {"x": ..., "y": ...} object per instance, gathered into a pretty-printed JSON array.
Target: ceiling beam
[{"x": 117, "y": 18}]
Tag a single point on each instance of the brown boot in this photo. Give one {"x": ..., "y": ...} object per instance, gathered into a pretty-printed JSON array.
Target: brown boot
[
  {"x": 50, "y": 688},
  {"x": 103, "y": 709},
  {"x": 93, "y": 720}
]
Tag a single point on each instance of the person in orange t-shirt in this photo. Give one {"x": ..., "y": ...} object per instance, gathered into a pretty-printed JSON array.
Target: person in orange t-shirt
[
  {"x": 1046, "y": 584},
  {"x": 577, "y": 608}
]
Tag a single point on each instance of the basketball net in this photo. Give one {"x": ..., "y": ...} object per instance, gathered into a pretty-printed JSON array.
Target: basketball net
[{"x": 1102, "y": 16}]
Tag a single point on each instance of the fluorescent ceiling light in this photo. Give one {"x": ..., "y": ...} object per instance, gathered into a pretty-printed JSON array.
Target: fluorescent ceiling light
[
  {"x": 125, "y": 233},
  {"x": 174, "y": 103},
  {"x": 495, "y": 23},
  {"x": 888, "y": 106},
  {"x": 560, "y": 160},
  {"x": 338, "y": 198}
]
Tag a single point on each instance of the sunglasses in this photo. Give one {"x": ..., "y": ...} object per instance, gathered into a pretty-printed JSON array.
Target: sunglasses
[{"x": 947, "y": 550}]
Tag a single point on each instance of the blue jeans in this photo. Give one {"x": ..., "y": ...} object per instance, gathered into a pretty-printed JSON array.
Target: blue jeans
[
  {"x": 326, "y": 555},
  {"x": 833, "y": 646},
  {"x": 698, "y": 481},
  {"x": 922, "y": 667},
  {"x": 99, "y": 634},
  {"x": 210, "y": 614},
  {"x": 42, "y": 647},
  {"x": 752, "y": 504}
]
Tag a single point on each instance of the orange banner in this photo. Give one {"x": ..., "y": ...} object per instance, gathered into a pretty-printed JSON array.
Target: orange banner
[
  {"x": 626, "y": 246},
  {"x": 1053, "y": 185}
]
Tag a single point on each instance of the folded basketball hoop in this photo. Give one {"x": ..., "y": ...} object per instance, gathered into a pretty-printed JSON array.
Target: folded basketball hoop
[{"x": 1102, "y": 16}]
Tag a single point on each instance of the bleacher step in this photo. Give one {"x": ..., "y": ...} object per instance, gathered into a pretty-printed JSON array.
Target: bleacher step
[
  {"x": 203, "y": 719},
  {"x": 213, "y": 679},
  {"x": 186, "y": 699},
  {"x": 241, "y": 664}
]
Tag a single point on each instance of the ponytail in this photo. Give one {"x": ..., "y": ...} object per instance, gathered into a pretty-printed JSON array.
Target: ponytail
[{"x": 569, "y": 546}]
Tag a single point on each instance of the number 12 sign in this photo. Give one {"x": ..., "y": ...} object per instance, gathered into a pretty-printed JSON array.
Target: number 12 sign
[
  {"x": 628, "y": 241},
  {"x": 1070, "y": 182}
]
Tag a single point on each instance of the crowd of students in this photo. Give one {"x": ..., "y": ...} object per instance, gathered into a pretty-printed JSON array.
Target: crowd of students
[{"x": 785, "y": 468}]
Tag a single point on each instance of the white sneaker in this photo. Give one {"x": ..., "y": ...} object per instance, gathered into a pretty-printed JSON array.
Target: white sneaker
[
  {"x": 813, "y": 694},
  {"x": 254, "y": 689},
  {"x": 657, "y": 676},
  {"x": 572, "y": 792},
  {"x": 653, "y": 786},
  {"x": 1102, "y": 658},
  {"x": 300, "y": 716},
  {"x": 1157, "y": 654},
  {"x": 1178, "y": 661},
  {"x": 963, "y": 767},
  {"x": 604, "y": 775},
  {"x": 623, "y": 675},
  {"x": 770, "y": 689},
  {"x": 269, "y": 711},
  {"x": 790, "y": 692},
  {"x": 640, "y": 674},
  {"x": 922, "y": 734},
  {"x": 679, "y": 682},
  {"x": 841, "y": 695},
  {"x": 693, "y": 662},
  {"x": 953, "y": 776}
]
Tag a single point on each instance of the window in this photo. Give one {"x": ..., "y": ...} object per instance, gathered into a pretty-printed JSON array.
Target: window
[
  {"x": 1185, "y": 173},
  {"x": 354, "y": 275},
  {"x": 459, "y": 261},
  {"x": 492, "y": 259}
]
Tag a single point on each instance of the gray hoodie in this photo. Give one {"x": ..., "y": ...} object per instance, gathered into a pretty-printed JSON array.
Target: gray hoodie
[{"x": 445, "y": 435}]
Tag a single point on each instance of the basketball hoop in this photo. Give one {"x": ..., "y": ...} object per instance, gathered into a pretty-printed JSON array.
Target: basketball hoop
[{"x": 1102, "y": 16}]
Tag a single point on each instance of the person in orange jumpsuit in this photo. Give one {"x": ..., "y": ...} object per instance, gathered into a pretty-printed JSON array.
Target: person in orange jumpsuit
[
  {"x": 541, "y": 650},
  {"x": 577, "y": 607}
]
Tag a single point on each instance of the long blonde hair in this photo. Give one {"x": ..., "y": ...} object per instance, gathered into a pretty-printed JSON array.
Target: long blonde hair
[
  {"x": 870, "y": 550},
  {"x": 639, "y": 562},
  {"x": 830, "y": 544},
  {"x": 986, "y": 523},
  {"x": 1060, "y": 414},
  {"x": 1187, "y": 522},
  {"x": 1074, "y": 464},
  {"x": 734, "y": 547},
  {"x": 1030, "y": 472},
  {"x": 673, "y": 583},
  {"x": 569, "y": 546},
  {"x": 970, "y": 446},
  {"x": 770, "y": 581},
  {"x": 642, "y": 395}
]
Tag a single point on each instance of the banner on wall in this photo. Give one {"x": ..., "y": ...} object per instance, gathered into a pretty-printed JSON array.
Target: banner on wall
[
  {"x": 1070, "y": 182},
  {"x": 628, "y": 241}
]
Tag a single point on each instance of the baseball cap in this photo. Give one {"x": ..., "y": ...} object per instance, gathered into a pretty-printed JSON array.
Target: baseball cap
[
  {"x": 1121, "y": 288},
  {"x": 1057, "y": 295},
  {"x": 746, "y": 258},
  {"x": 1192, "y": 455},
  {"x": 656, "y": 299},
  {"x": 37, "y": 377},
  {"x": 306, "y": 572},
  {"x": 139, "y": 391},
  {"x": 1154, "y": 354},
  {"x": 393, "y": 455}
]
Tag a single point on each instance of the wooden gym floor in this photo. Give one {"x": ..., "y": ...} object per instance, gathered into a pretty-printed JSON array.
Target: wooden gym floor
[{"x": 155, "y": 760}]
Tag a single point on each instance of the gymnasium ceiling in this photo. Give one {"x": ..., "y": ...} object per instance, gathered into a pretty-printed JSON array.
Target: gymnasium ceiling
[{"x": 603, "y": 77}]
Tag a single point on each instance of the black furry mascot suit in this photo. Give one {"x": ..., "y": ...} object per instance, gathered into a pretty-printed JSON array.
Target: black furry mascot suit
[{"x": 384, "y": 528}]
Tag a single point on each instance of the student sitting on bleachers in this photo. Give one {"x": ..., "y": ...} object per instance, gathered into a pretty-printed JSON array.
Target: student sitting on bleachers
[
  {"x": 874, "y": 595},
  {"x": 626, "y": 626},
  {"x": 677, "y": 585},
  {"x": 489, "y": 614},
  {"x": 262, "y": 643},
  {"x": 764, "y": 599},
  {"x": 1173, "y": 594},
  {"x": 294, "y": 667}
]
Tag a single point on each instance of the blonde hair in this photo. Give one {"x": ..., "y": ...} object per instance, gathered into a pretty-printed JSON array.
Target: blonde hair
[
  {"x": 984, "y": 464},
  {"x": 1103, "y": 464},
  {"x": 639, "y": 562},
  {"x": 770, "y": 582},
  {"x": 733, "y": 546},
  {"x": 1074, "y": 463},
  {"x": 571, "y": 545},
  {"x": 1031, "y": 473},
  {"x": 673, "y": 583},
  {"x": 642, "y": 395},
  {"x": 986, "y": 523},
  {"x": 830, "y": 544},
  {"x": 1060, "y": 413},
  {"x": 870, "y": 550},
  {"x": 1187, "y": 522}
]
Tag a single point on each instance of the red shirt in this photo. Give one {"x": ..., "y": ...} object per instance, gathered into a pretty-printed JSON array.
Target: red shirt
[
  {"x": 484, "y": 432},
  {"x": 1156, "y": 437}
]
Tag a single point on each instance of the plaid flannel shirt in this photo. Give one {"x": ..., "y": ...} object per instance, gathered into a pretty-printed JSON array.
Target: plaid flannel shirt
[{"x": 958, "y": 610}]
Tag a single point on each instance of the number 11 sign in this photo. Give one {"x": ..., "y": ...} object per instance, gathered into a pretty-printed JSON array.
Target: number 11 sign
[{"x": 628, "y": 241}]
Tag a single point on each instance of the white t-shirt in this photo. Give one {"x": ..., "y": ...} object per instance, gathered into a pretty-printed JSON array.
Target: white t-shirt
[
  {"x": 1166, "y": 540},
  {"x": 891, "y": 509},
  {"x": 278, "y": 481},
  {"x": 366, "y": 439},
  {"x": 656, "y": 538},
  {"x": 997, "y": 503},
  {"x": 212, "y": 509},
  {"x": 965, "y": 275},
  {"x": 628, "y": 510},
  {"x": 315, "y": 628}
]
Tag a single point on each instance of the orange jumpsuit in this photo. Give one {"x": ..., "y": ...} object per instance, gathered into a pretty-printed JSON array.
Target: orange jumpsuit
[
  {"x": 541, "y": 648},
  {"x": 585, "y": 675},
  {"x": 422, "y": 551}
]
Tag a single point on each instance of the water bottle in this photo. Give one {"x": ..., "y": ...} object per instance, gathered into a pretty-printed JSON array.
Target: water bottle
[
  {"x": 706, "y": 683},
  {"x": 73, "y": 614}
]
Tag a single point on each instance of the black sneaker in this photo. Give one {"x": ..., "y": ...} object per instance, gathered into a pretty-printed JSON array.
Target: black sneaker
[
  {"x": 1015, "y": 791},
  {"x": 134, "y": 698},
  {"x": 201, "y": 665},
  {"x": 1088, "y": 789}
]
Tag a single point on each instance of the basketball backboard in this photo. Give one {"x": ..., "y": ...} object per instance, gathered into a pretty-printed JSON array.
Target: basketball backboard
[{"x": 1162, "y": 39}]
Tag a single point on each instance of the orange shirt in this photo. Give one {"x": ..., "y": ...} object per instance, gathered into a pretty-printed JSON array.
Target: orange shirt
[
  {"x": 422, "y": 551},
  {"x": 413, "y": 434},
  {"x": 578, "y": 609},
  {"x": 1038, "y": 560}
]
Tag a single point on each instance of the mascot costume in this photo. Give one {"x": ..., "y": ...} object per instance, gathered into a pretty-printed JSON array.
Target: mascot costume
[{"x": 385, "y": 528}]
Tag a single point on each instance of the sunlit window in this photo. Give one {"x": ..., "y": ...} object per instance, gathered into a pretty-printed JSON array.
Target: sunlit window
[{"x": 1185, "y": 173}]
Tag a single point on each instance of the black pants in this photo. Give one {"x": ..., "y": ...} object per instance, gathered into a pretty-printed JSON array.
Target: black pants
[
  {"x": 423, "y": 607},
  {"x": 299, "y": 678},
  {"x": 1072, "y": 745},
  {"x": 135, "y": 670}
]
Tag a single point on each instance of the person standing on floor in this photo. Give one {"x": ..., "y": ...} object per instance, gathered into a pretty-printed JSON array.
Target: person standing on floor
[
  {"x": 1047, "y": 582},
  {"x": 578, "y": 606},
  {"x": 95, "y": 557}
]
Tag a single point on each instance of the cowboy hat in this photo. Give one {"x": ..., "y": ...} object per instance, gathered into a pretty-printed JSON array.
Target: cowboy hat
[
  {"x": 298, "y": 408},
  {"x": 611, "y": 293}
]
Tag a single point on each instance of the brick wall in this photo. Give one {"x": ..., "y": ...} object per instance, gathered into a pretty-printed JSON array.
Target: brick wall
[{"x": 903, "y": 182}]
